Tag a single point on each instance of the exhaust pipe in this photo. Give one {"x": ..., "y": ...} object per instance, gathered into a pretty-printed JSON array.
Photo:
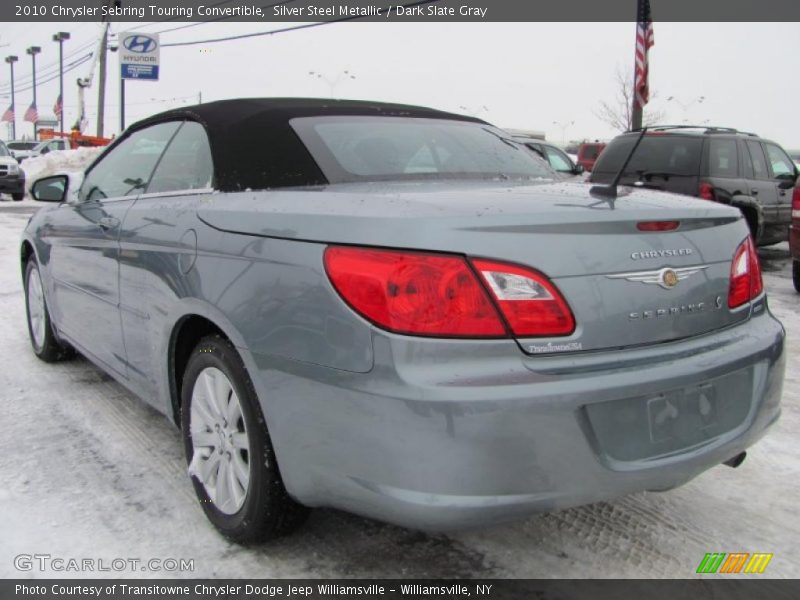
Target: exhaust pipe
[{"x": 736, "y": 460}]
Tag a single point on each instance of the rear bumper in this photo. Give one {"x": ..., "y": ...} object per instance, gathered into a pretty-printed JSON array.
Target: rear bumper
[{"x": 451, "y": 434}]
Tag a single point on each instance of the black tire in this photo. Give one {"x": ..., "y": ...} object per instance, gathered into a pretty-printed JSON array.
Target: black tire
[
  {"x": 796, "y": 275},
  {"x": 18, "y": 197},
  {"x": 268, "y": 511},
  {"x": 50, "y": 349}
]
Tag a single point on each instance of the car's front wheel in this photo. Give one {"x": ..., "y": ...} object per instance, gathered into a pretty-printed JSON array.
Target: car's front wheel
[
  {"x": 796, "y": 274},
  {"x": 231, "y": 460},
  {"x": 43, "y": 339}
]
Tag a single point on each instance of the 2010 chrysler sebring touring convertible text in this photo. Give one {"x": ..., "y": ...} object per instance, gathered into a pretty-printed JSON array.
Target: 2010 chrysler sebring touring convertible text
[{"x": 400, "y": 312}]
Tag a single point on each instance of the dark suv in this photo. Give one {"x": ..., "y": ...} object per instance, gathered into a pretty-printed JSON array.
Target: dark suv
[{"x": 713, "y": 163}]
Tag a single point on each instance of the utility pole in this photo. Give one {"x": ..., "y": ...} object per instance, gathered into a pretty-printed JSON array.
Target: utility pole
[
  {"x": 101, "y": 87},
  {"x": 60, "y": 37},
  {"x": 11, "y": 60},
  {"x": 33, "y": 51}
]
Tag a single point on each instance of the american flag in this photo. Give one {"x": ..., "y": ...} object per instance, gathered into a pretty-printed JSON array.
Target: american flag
[
  {"x": 644, "y": 41},
  {"x": 58, "y": 107},
  {"x": 31, "y": 114},
  {"x": 8, "y": 116}
]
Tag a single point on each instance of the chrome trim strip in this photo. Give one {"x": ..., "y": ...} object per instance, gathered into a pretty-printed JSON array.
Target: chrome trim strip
[{"x": 657, "y": 276}]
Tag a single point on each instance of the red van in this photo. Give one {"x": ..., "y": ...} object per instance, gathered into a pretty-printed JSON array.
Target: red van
[
  {"x": 794, "y": 235},
  {"x": 588, "y": 153}
]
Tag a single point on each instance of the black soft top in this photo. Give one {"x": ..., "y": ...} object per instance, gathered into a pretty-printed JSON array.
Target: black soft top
[{"x": 254, "y": 147}]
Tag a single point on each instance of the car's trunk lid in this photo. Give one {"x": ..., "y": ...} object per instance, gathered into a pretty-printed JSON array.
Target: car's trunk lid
[{"x": 625, "y": 287}]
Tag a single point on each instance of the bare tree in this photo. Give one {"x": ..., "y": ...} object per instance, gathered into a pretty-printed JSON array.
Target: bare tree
[{"x": 617, "y": 113}]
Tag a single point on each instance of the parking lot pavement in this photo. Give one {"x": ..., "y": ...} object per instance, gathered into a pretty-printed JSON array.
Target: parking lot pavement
[{"x": 88, "y": 471}]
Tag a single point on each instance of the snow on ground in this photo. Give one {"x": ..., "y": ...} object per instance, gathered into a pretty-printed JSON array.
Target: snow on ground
[
  {"x": 88, "y": 471},
  {"x": 59, "y": 161}
]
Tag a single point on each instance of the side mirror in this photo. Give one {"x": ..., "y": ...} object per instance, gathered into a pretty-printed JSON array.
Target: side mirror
[
  {"x": 45, "y": 150},
  {"x": 50, "y": 189},
  {"x": 578, "y": 170}
]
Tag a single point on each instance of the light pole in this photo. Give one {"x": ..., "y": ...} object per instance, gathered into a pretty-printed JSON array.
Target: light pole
[
  {"x": 11, "y": 60},
  {"x": 685, "y": 106},
  {"x": 474, "y": 112},
  {"x": 60, "y": 37},
  {"x": 563, "y": 125},
  {"x": 33, "y": 51},
  {"x": 332, "y": 83}
]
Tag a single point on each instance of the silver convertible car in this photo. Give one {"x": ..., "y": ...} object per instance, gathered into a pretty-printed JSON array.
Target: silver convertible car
[{"x": 399, "y": 312}]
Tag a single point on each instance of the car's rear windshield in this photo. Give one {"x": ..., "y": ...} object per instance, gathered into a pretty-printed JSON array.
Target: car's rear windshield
[
  {"x": 21, "y": 145},
  {"x": 365, "y": 148},
  {"x": 673, "y": 154}
]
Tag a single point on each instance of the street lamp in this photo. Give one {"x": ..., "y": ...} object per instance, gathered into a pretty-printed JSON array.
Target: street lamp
[
  {"x": 686, "y": 105},
  {"x": 60, "y": 37},
  {"x": 563, "y": 125},
  {"x": 332, "y": 82},
  {"x": 11, "y": 60},
  {"x": 33, "y": 51}
]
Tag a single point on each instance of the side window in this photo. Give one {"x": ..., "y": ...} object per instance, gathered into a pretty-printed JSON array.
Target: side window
[
  {"x": 722, "y": 158},
  {"x": 780, "y": 163},
  {"x": 757, "y": 158},
  {"x": 558, "y": 160},
  {"x": 126, "y": 169},
  {"x": 186, "y": 164}
]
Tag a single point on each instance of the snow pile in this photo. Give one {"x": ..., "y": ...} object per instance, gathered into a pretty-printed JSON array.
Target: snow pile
[{"x": 58, "y": 162}]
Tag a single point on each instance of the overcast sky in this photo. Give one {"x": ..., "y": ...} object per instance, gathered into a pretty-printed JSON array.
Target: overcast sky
[{"x": 527, "y": 75}]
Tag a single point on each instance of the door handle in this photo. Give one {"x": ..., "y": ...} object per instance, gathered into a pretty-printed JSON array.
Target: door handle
[
  {"x": 108, "y": 223},
  {"x": 754, "y": 191}
]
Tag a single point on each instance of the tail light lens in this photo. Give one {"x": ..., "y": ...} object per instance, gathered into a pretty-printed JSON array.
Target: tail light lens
[
  {"x": 746, "y": 282},
  {"x": 413, "y": 292},
  {"x": 796, "y": 203},
  {"x": 706, "y": 191},
  {"x": 439, "y": 295},
  {"x": 530, "y": 303}
]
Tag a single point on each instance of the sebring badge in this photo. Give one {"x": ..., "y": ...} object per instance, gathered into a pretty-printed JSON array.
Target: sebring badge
[{"x": 667, "y": 277}]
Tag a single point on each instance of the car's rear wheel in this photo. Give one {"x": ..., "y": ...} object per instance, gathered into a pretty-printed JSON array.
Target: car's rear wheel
[
  {"x": 43, "y": 339},
  {"x": 231, "y": 460},
  {"x": 796, "y": 274}
]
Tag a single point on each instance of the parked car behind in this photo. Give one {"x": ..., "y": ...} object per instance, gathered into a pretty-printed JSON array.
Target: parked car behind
[
  {"x": 396, "y": 311},
  {"x": 12, "y": 178},
  {"x": 713, "y": 163},
  {"x": 794, "y": 236},
  {"x": 588, "y": 153},
  {"x": 555, "y": 156},
  {"x": 21, "y": 149}
]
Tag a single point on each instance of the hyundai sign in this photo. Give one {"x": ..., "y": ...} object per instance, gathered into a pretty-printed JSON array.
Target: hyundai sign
[{"x": 139, "y": 55}]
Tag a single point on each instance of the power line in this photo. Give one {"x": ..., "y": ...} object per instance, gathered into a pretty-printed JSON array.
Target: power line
[
  {"x": 47, "y": 69},
  {"x": 70, "y": 67},
  {"x": 285, "y": 29}
]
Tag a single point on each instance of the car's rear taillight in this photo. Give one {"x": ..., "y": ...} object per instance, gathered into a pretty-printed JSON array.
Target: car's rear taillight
[
  {"x": 658, "y": 225},
  {"x": 530, "y": 303},
  {"x": 746, "y": 282},
  {"x": 440, "y": 295},
  {"x": 414, "y": 292},
  {"x": 706, "y": 191},
  {"x": 796, "y": 203}
]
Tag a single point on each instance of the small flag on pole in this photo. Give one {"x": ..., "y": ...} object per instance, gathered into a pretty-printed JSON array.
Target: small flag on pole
[
  {"x": 58, "y": 107},
  {"x": 31, "y": 114},
  {"x": 644, "y": 41},
  {"x": 8, "y": 116}
]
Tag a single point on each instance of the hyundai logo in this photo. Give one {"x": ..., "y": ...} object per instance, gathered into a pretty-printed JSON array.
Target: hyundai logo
[{"x": 140, "y": 44}]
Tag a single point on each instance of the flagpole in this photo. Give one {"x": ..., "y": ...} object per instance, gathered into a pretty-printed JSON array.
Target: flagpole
[
  {"x": 60, "y": 37},
  {"x": 33, "y": 51},
  {"x": 11, "y": 60},
  {"x": 636, "y": 108}
]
